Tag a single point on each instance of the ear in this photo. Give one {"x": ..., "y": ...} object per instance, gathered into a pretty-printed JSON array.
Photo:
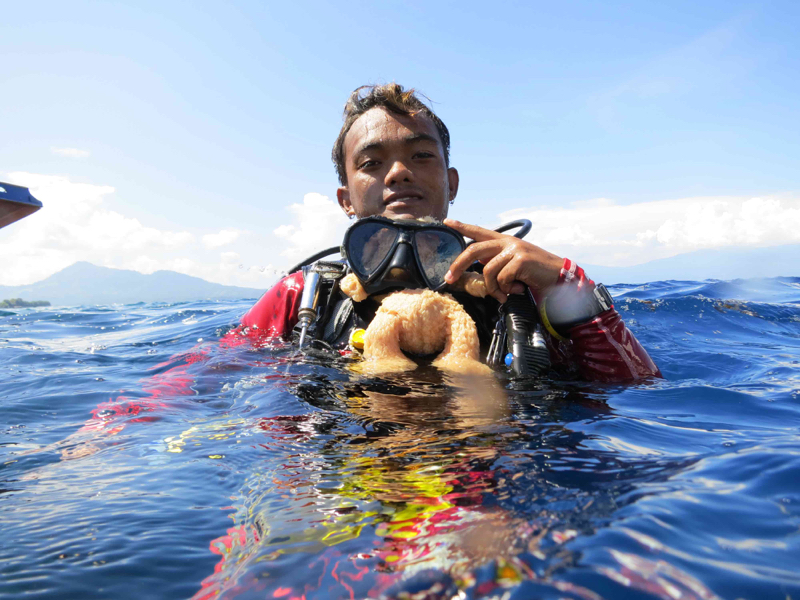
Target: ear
[
  {"x": 343, "y": 196},
  {"x": 351, "y": 286},
  {"x": 452, "y": 180}
]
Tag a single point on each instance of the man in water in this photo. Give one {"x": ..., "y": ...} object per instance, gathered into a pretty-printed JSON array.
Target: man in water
[{"x": 392, "y": 158}]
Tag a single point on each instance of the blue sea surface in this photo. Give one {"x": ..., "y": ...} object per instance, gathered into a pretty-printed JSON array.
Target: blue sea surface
[{"x": 225, "y": 471}]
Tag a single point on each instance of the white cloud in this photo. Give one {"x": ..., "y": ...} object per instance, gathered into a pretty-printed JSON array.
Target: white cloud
[
  {"x": 70, "y": 152},
  {"x": 143, "y": 264},
  {"x": 227, "y": 270},
  {"x": 603, "y": 233},
  {"x": 318, "y": 224},
  {"x": 73, "y": 226},
  {"x": 223, "y": 238},
  {"x": 76, "y": 225}
]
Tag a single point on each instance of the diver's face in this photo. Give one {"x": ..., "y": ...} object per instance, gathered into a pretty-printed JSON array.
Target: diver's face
[{"x": 395, "y": 168}]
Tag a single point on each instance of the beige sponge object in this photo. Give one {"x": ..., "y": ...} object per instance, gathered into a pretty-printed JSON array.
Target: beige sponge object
[{"x": 420, "y": 322}]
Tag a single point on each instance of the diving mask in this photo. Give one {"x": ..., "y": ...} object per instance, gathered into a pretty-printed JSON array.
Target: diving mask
[{"x": 387, "y": 254}]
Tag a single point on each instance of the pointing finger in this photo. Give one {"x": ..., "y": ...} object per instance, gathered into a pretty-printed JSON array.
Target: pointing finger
[{"x": 479, "y": 234}]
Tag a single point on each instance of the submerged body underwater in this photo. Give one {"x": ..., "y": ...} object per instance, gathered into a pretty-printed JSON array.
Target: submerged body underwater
[{"x": 268, "y": 475}]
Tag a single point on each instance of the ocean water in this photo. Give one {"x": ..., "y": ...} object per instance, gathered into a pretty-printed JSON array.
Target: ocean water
[{"x": 221, "y": 471}]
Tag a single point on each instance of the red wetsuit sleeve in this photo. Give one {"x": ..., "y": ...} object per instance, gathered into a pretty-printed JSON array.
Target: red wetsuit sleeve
[
  {"x": 603, "y": 349},
  {"x": 275, "y": 313}
]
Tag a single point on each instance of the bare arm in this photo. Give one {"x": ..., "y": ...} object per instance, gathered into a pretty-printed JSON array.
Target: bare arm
[
  {"x": 509, "y": 262},
  {"x": 601, "y": 348}
]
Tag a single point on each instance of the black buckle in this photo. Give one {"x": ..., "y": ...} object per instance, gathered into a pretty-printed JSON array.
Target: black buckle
[{"x": 603, "y": 298}]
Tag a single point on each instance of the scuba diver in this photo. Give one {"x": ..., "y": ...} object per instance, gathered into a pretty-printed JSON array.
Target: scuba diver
[{"x": 392, "y": 159}]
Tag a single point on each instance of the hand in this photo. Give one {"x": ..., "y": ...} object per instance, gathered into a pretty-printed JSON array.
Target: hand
[{"x": 509, "y": 263}]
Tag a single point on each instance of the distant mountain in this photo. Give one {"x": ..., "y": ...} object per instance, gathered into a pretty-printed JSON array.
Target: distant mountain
[
  {"x": 84, "y": 283},
  {"x": 731, "y": 263}
]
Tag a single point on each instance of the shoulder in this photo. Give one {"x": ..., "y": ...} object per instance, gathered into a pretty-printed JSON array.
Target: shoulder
[{"x": 277, "y": 306}]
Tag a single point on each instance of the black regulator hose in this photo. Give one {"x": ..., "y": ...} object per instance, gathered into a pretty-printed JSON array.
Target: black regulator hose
[
  {"x": 314, "y": 258},
  {"x": 524, "y": 227}
]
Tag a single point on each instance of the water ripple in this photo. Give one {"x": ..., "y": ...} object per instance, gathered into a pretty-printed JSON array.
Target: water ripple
[{"x": 133, "y": 447}]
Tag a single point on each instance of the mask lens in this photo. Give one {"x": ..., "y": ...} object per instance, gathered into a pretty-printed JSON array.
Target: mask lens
[
  {"x": 367, "y": 247},
  {"x": 436, "y": 251}
]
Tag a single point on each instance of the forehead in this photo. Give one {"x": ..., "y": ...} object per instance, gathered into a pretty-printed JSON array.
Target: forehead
[{"x": 379, "y": 126}]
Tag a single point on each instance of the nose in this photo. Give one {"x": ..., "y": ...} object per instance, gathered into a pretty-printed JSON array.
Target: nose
[{"x": 399, "y": 172}]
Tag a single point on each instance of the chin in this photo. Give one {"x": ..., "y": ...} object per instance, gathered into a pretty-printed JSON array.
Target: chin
[
  {"x": 414, "y": 213},
  {"x": 400, "y": 216}
]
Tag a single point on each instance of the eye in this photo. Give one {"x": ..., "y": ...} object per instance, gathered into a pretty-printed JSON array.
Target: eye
[
  {"x": 423, "y": 154},
  {"x": 367, "y": 164}
]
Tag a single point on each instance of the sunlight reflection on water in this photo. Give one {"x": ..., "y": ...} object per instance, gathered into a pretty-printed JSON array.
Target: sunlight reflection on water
[{"x": 261, "y": 474}]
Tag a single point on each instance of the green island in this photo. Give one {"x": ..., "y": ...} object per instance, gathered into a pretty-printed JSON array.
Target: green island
[{"x": 20, "y": 303}]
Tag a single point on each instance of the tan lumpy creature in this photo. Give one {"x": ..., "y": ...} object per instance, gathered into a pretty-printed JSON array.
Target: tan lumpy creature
[{"x": 421, "y": 322}]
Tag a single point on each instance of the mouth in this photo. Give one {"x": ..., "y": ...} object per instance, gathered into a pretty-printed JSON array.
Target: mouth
[{"x": 402, "y": 198}]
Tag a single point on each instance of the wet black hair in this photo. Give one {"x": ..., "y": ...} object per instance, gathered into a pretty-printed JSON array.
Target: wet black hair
[{"x": 394, "y": 98}]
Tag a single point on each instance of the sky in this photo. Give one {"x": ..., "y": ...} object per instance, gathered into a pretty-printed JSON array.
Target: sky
[{"x": 196, "y": 136}]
